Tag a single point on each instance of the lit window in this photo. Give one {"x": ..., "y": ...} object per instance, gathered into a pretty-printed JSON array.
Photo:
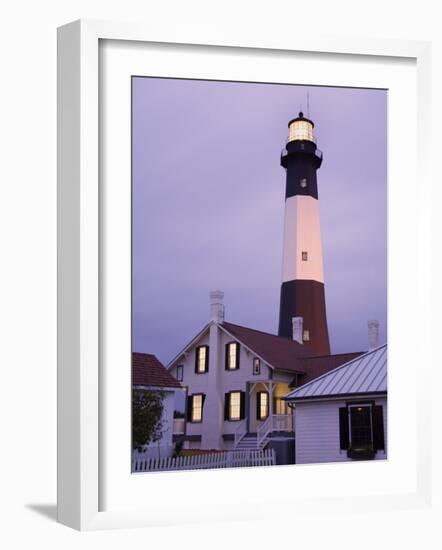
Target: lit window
[
  {"x": 235, "y": 405},
  {"x": 303, "y": 183},
  {"x": 179, "y": 373},
  {"x": 306, "y": 335},
  {"x": 301, "y": 129},
  {"x": 256, "y": 366},
  {"x": 262, "y": 405},
  {"x": 280, "y": 406},
  {"x": 232, "y": 356},
  {"x": 304, "y": 256},
  {"x": 197, "y": 407},
  {"x": 202, "y": 359}
]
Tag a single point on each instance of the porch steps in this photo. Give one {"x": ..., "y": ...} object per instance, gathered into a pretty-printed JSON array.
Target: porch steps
[{"x": 250, "y": 443}]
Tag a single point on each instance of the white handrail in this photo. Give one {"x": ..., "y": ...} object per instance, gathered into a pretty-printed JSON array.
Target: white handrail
[
  {"x": 263, "y": 430},
  {"x": 274, "y": 423},
  {"x": 240, "y": 432}
]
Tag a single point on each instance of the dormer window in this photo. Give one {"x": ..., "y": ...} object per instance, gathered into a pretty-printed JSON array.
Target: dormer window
[
  {"x": 232, "y": 356},
  {"x": 202, "y": 359}
]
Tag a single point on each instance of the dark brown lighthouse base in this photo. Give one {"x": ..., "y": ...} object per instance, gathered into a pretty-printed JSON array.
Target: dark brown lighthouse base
[{"x": 305, "y": 299}]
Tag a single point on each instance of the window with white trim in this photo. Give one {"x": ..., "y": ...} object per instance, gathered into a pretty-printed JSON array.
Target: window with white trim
[
  {"x": 256, "y": 366},
  {"x": 201, "y": 359},
  {"x": 262, "y": 405},
  {"x": 232, "y": 356},
  {"x": 361, "y": 430},
  {"x": 179, "y": 373},
  {"x": 304, "y": 256},
  {"x": 235, "y": 405},
  {"x": 196, "y": 414}
]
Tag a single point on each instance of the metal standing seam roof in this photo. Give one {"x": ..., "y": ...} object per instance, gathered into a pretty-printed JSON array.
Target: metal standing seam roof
[{"x": 365, "y": 374}]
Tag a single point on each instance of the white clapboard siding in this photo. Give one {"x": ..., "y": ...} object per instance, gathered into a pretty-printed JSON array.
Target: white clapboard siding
[
  {"x": 317, "y": 432},
  {"x": 231, "y": 459}
]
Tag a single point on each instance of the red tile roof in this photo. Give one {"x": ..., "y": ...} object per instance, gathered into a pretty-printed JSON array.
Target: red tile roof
[
  {"x": 147, "y": 370},
  {"x": 278, "y": 351},
  {"x": 286, "y": 354}
]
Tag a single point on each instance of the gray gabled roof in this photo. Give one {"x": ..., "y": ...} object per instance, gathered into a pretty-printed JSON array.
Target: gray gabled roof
[{"x": 367, "y": 374}]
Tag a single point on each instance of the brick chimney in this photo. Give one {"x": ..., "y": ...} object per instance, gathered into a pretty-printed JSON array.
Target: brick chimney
[
  {"x": 217, "y": 306},
  {"x": 297, "y": 323},
  {"x": 373, "y": 334}
]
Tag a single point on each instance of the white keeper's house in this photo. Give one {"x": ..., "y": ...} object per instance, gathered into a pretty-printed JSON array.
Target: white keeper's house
[
  {"x": 235, "y": 379},
  {"x": 342, "y": 415}
]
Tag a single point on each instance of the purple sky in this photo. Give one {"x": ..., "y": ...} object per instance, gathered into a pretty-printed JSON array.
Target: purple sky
[{"x": 208, "y": 206}]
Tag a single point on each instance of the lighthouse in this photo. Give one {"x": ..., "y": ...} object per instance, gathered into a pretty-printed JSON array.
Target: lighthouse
[{"x": 302, "y": 301}]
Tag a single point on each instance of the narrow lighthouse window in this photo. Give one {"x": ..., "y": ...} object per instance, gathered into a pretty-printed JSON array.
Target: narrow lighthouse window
[
  {"x": 304, "y": 256},
  {"x": 303, "y": 183},
  {"x": 306, "y": 335}
]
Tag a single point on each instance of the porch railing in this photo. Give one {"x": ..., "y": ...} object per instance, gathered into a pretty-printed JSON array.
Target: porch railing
[
  {"x": 282, "y": 422},
  {"x": 274, "y": 423}
]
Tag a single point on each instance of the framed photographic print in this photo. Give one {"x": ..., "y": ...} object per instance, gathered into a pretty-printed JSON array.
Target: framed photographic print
[{"x": 227, "y": 213}]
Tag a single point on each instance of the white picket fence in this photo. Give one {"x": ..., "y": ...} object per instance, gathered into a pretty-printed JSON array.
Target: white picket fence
[{"x": 228, "y": 459}]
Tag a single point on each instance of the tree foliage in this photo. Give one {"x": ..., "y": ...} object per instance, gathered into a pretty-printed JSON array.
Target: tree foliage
[{"x": 147, "y": 411}]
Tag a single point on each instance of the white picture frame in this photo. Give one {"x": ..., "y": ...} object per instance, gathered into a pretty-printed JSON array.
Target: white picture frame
[{"x": 80, "y": 394}]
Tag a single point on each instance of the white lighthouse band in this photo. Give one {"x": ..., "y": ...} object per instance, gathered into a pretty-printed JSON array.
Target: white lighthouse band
[{"x": 302, "y": 253}]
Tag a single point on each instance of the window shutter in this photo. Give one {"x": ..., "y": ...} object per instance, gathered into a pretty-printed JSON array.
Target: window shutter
[
  {"x": 378, "y": 427},
  {"x": 189, "y": 408},
  {"x": 237, "y": 355},
  {"x": 242, "y": 406},
  {"x": 226, "y": 406},
  {"x": 202, "y": 406},
  {"x": 343, "y": 428},
  {"x": 206, "y": 366},
  {"x": 226, "y": 362}
]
